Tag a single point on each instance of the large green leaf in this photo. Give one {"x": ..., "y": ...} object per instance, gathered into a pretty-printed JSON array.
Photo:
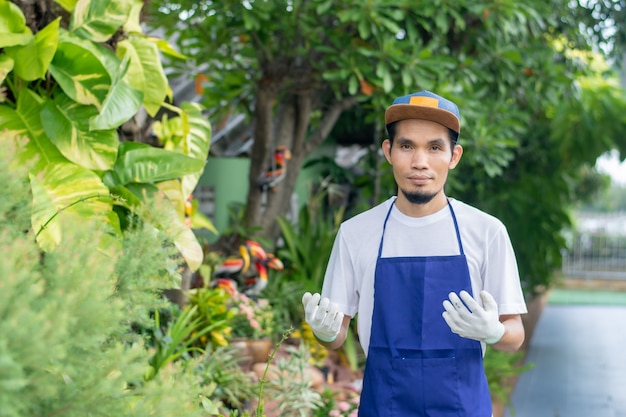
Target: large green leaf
[
  {"x": 33, "y": 59},
  {"x": 152, "y": 165},
  {"x": 79, "y": 69},
  {"x": 65, "y": 189},
  {"x": 98, "y": 20},
  {"x": 145, "y": 72},
  {"x": 67, "y": 125},
  {"x": 6, "y": 65},
  {"x": 25, "y": 122},
  {"x": 121, "y": 103},
  {"x": 13, "y": 29},
  {"x": 198, "y": 141}
]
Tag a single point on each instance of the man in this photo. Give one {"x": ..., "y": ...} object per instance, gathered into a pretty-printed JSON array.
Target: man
[{"x": 433, "y": 279}]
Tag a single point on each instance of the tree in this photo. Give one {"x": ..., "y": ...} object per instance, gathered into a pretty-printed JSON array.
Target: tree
[{"x": 515, "y": 68}]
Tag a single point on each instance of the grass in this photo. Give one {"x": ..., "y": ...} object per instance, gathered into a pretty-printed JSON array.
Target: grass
[{"x": 564, "y": 296}]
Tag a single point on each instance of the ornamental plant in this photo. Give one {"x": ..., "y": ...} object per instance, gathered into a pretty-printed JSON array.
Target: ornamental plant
[
  {"x": 71, "y": 79},
  {"x": 252, "y": 318}
]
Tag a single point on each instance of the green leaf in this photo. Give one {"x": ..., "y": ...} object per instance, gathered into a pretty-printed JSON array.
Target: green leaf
[
  {"x": 198, "y": 141},
  {"x": 13, "y": 29},
  {"x": 98, "y": 20},
  {"x": 66, "y": 124},
  {"x": 151, "y": 165},
  {"x": 79, "y": 69},
  {"x": 165, "y": 47},
  {"x": 25, "y": 121},
  {"x": 120, "y": 104},
  {"x": 353, "y": 85},
  {"x": 145, "y": 71},
  {"x": 67, "y": 4},
  {"x": 133, "y": 23},
  {"x": 189, "y": 248},
  {"x": 33, "y": 59},
  {"x": 6, "y": 65},
  {"x": 65, "y": 189}
]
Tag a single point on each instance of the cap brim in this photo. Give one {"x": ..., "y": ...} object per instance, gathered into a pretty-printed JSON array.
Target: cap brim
[{"x": 399, "y": 112}]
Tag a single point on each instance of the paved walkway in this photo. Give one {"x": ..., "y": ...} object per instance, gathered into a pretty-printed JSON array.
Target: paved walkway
[{"x": 579, "y": 356}]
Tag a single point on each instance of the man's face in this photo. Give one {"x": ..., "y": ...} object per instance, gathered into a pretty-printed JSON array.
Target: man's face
[{"x": 421, "y": 156}]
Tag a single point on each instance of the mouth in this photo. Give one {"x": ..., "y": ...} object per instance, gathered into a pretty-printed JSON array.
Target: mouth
[{"x": 419, "y": 179}]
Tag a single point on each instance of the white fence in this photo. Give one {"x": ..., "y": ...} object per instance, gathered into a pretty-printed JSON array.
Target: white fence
[{"x": 597, "y": 255}]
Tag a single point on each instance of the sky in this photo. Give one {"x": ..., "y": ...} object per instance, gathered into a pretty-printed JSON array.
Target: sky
[{"x": 610, "y": 164}]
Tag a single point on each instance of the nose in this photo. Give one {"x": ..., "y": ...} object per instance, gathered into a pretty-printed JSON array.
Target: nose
[{"x": 419, "y": 160}]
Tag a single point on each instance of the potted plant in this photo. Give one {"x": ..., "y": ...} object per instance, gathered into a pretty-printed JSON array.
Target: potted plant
[{"x": 253, "y": 323}]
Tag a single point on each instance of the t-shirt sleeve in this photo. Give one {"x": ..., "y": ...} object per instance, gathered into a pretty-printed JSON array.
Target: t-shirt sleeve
[
  {"x": 339, "y": 281},
  {"x": 501, "y": 274}
]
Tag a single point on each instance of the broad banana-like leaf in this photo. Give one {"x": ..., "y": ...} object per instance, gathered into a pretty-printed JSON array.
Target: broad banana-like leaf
[
  {"x": 66, "y": 123},
  {"x": 79, "y": 69},
  {"x": 121, "y": 103},
  {"x": 98, "y": 20},
  {"x": 6, "y": 65},
  {"x": 149, "y": 164},
  {"x": 33, "y": 59},
  {"x": 13, "y": 29},
  {"x": 25, "y": 121},
  {"x": 65, "y": 189},
  {"x": 145, "y": 72},
  {"x": 198, "y": 141}
]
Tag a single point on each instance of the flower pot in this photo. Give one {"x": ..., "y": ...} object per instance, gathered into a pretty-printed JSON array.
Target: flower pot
[
  {"x": 242, "y": 352},
  {"x": 260, "y": 349}
]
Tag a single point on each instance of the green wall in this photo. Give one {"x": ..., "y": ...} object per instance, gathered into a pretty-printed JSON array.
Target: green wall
[{"x": 228, "y": 177}]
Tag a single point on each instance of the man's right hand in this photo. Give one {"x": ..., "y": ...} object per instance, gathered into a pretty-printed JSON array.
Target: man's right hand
[{"x": 323, "y": 316}]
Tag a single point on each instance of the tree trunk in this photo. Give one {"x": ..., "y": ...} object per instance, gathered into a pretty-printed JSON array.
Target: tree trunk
[
  {"x": 263, "y": 116},
  {"x": 289, "y": 128}
]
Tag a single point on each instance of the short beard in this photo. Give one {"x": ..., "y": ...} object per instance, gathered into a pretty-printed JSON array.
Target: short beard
[{"x": 418, "y": 198}]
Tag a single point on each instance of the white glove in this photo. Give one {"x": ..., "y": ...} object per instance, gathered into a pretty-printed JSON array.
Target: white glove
[
  {"x": 472, "y": 321},
  {"x": 324, "y": 318}
]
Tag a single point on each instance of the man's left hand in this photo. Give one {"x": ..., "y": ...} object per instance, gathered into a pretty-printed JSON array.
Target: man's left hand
[{"x": 468, "y": 319}]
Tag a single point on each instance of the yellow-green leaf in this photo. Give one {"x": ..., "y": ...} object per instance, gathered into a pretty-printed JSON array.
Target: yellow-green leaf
[
  {"x": 13, "y": 29},
  {"x": 65, "y": 189},
  {"x": 67, "y": 4},
  {"x": 81, "y": 71},
  {"x": 98, "y": 20},
  {"x": 145, "y": 71},
  {"x": 33, "y": 59},
  {"x": 67, "y": 125},
  {"x": 6, "y": 65}
]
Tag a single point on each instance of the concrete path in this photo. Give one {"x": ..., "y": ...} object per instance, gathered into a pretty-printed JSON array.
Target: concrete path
[{"x": 579, "y": 356}]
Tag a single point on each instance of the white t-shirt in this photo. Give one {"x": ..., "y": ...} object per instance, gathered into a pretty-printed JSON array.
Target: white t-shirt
[{"x": 349, "y": 279}]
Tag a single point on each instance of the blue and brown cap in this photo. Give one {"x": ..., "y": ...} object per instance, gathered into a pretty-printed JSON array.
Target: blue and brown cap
[{"x": 427, "y": 106}]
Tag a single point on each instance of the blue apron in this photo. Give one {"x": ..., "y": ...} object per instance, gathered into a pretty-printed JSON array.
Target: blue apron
[{"x": 415, "y": 365}]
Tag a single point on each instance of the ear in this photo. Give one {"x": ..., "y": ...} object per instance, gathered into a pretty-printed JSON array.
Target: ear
[
  {"x": 457, "y": 152},
  {"x": 386, "y": 146}
]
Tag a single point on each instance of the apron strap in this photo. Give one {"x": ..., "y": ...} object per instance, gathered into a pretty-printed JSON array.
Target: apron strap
[{"x": 456, "y": 228}]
